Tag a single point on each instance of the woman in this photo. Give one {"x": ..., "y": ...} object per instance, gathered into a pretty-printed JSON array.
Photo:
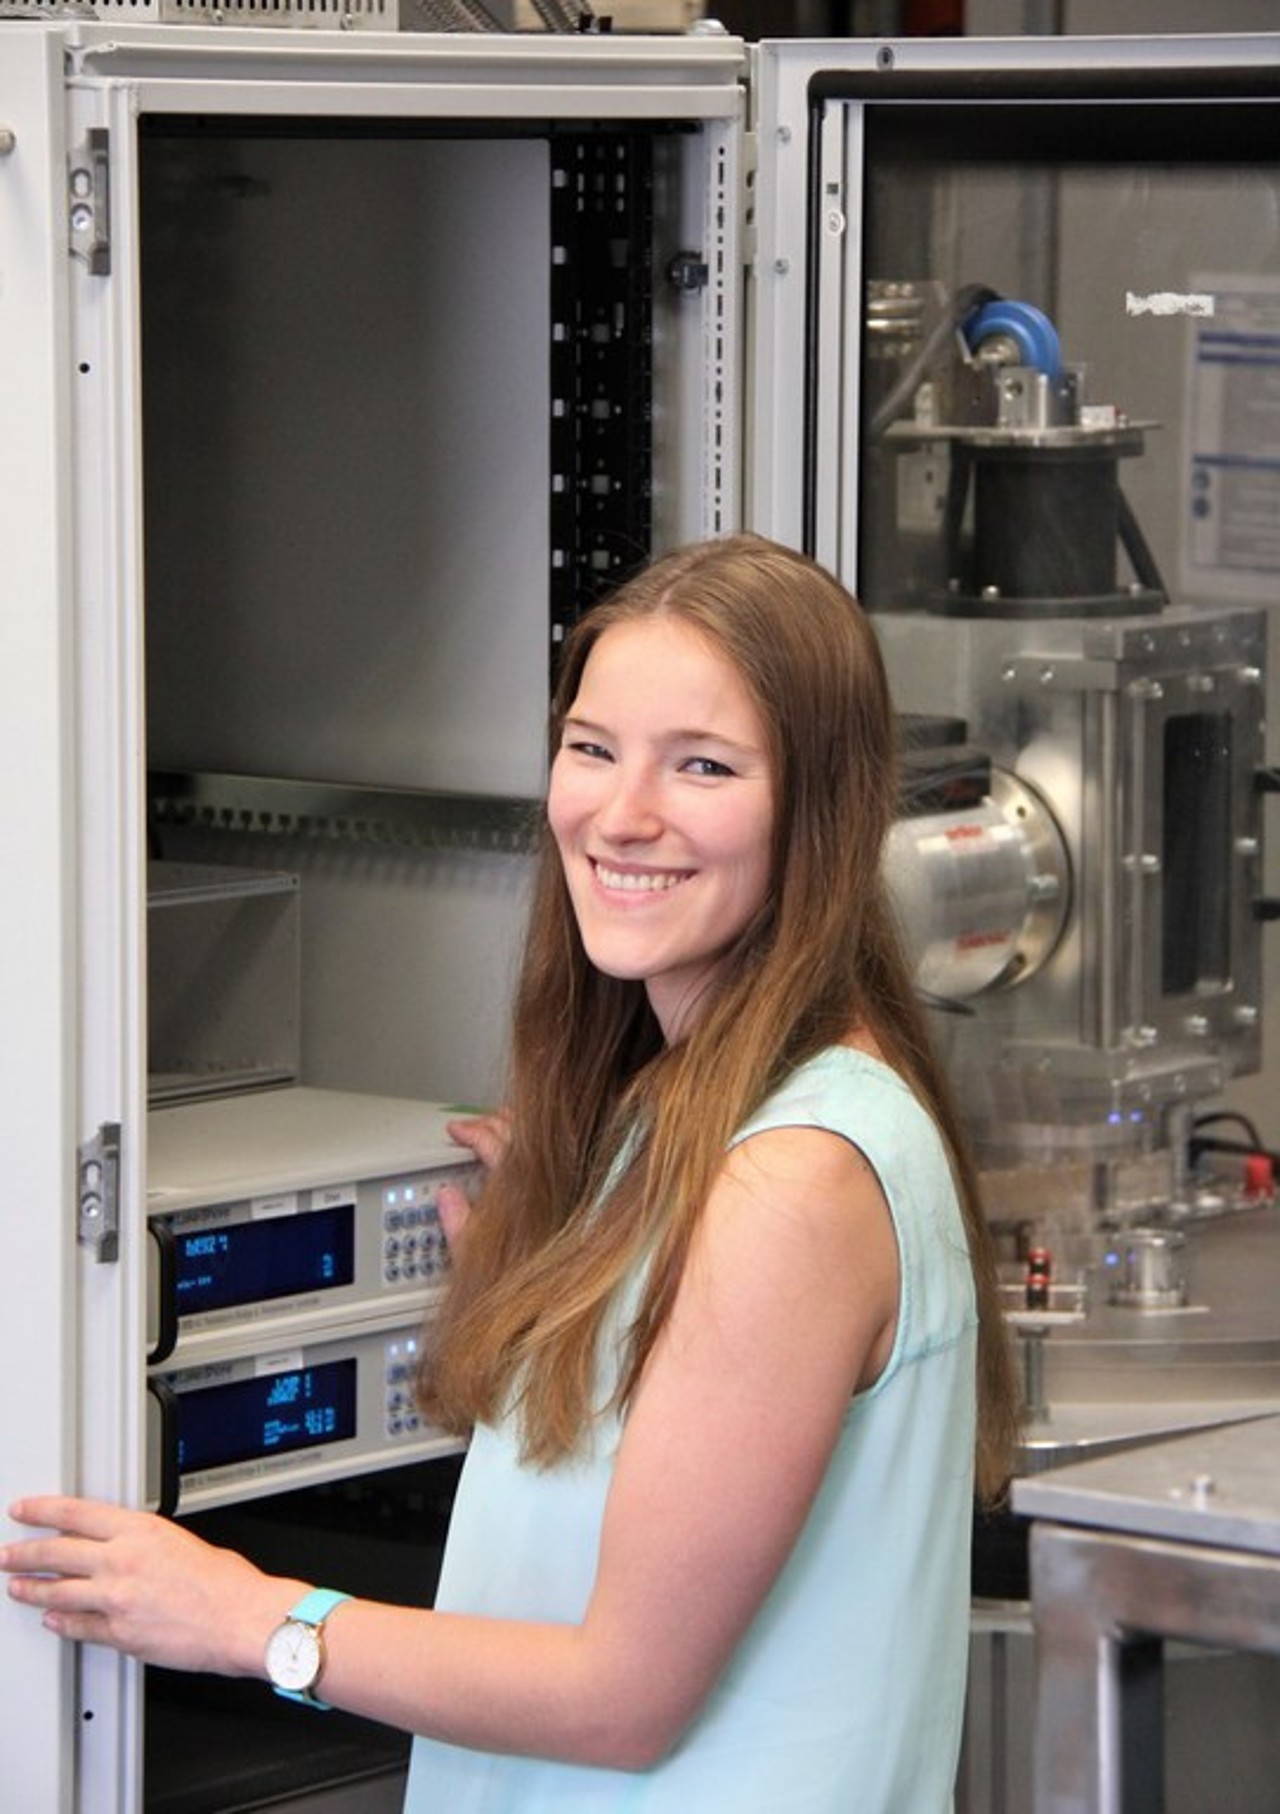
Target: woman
[{"x": 724, "y": 1318}]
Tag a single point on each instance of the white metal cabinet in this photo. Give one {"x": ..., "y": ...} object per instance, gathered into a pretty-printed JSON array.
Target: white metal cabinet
[
  {"x": 755, "y": 406},
  {"x": 75, "y": 99}
]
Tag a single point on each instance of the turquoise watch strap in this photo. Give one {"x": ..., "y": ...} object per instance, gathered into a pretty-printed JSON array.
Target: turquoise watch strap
[
  {"x": 313, "y": 1609},
  {"x": 317, "y": 1605}
]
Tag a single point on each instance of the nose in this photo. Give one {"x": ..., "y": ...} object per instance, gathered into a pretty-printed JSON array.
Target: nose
[{"x": 630, "y": 811}]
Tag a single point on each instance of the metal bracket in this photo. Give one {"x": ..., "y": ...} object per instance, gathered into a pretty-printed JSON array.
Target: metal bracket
[
  {"x": 89, "y": 201},
  {"x": 98, "y": 1206},
  {"x": 1063, "y": 673},
  {"x": 687, "y": 272},
  {"x": 1266, "y": 781}
]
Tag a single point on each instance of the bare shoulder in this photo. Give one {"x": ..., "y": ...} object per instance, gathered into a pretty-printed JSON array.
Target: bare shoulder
[
  {"x": 797, "y": 1236},
  {"x": 809, "y": 1170}
]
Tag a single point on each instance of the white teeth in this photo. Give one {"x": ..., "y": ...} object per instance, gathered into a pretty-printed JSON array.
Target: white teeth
[{"x": 648, "y": 883}]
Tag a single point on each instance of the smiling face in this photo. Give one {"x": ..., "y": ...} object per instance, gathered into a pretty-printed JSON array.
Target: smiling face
[{"x": 661, "y": 805}]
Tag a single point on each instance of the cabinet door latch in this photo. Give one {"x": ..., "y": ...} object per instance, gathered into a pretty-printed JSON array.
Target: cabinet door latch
[
  {"x": 89, "y": 201},
  {"x": 98, "y": 1221}
]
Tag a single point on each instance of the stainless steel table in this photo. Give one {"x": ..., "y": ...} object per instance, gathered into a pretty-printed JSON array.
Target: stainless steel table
[{"x": 1177, "y": 1540}]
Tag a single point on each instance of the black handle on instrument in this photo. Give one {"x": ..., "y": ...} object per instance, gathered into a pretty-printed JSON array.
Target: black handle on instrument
[
  {"x": 166, "y": 1402},
  {"x": 166, "y": 1282}
]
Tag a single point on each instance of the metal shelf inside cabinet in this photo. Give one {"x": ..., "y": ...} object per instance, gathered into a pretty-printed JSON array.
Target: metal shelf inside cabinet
[{"x": 343, "y": 812}]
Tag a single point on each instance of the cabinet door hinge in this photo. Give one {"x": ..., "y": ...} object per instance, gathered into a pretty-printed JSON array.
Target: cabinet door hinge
[
  {"x": 89, "y": 201},
  {"x": 98, "y": 1208}
]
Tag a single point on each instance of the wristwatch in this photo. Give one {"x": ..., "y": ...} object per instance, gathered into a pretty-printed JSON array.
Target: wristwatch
[{"x": 295, "y": 1649}]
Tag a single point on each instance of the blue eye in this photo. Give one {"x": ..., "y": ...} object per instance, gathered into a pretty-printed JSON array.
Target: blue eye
[
  {"x": 580, "y": 746},
  {"x": 706, "y": 765}
]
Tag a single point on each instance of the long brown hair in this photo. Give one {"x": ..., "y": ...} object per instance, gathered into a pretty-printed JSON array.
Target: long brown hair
[{"x": 617, "y": 1139}]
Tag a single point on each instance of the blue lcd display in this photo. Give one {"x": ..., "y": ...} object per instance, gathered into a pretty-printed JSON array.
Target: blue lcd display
[
  {"x": 276, "y": 1257},
  {"x": 253, "y": 1419}
]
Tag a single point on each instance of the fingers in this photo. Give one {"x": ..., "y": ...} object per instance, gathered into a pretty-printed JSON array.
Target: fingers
[
  {"x": 79, "y": 1627},
  {"x": 83, "y": 1526},
  {"x": 453, "y": 1208},
  {"x": 77, "y": 1517},
  {"x": 487, "y": 1136},
  {"x": 141, "y": 1584},
  {"x": 73, "y": 1556},
  {"x": 55, "y": 1571},
  {"x": 73, "y": 1602},
  {"x": 59, "y": 1574},
  {"x": 66, "y": 1591}
]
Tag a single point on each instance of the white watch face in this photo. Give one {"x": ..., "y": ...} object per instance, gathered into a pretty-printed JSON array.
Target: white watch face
[{"x": 294, "y": 1656}]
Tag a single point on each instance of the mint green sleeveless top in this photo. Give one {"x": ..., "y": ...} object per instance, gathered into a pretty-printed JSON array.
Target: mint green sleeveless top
[{"x": 846, "y": 1694}]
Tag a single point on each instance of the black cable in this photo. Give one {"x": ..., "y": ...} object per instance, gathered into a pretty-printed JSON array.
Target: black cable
[
  {"x": 1241, "y": 1148},
  {"x": 1218, "y": 1115},
  {"x": 942, "y": 1004},
  {"x": 966, "y": 301}
]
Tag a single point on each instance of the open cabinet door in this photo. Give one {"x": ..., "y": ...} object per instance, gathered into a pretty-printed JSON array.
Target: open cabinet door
[
  {"x": 74, "y": 1095},
  {"x": 110, "y": 871},
  {"x": 37, "y": 912},
  {"x": 69, "y": 727}
]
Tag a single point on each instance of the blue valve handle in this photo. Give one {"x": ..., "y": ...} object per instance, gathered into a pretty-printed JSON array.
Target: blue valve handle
[{"x": 1030, "y": 330}]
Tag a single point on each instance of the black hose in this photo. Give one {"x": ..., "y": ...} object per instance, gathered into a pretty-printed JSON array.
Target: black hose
[
  {"x": 966, "y": 301},
  {"x": 1216, "y": 1117},
  {"x": 1246, "y": 1149}
]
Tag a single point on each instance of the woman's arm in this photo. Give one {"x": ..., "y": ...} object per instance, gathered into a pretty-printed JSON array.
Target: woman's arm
[{"x": 788, "y": 1305}]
